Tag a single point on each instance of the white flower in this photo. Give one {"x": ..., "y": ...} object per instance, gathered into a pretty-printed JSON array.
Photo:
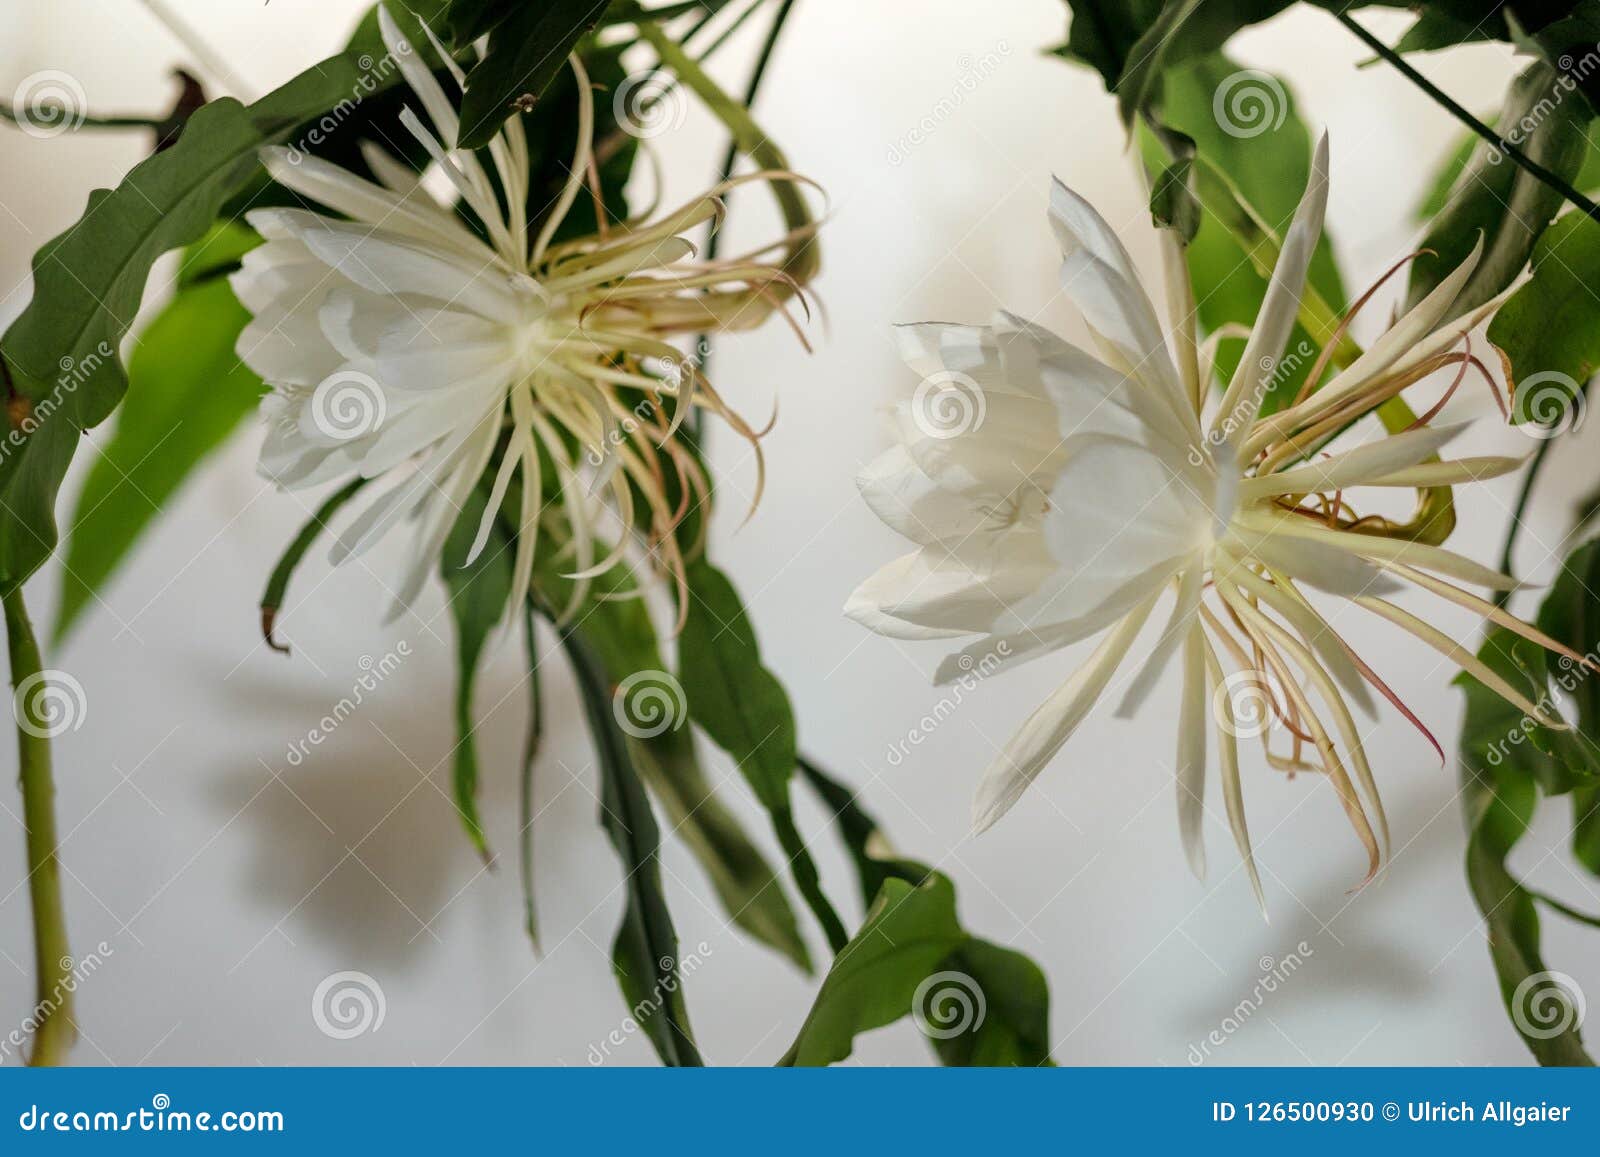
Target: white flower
[
  {"x": 396, "y": 336},
  {"x": 1094, "y": 483}
]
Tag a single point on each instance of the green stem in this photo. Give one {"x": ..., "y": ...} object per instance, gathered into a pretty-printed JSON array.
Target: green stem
[
  {"x": 1523, "y": 494},
  {"x": 52, "y": 959},
  {"x": 714, "y": 242},
  {"x": 1443, "y": 100},
  {"x": 802, "y": 259}
]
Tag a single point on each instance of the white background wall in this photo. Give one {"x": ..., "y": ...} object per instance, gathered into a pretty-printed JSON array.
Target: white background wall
[{"x": 227, "y": 883}]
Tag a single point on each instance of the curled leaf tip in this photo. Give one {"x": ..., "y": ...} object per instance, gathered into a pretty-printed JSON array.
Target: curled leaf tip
[{"x": 269, "y": 617}]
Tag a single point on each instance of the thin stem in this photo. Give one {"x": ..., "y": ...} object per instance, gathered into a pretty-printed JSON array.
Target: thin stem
[
  {"x": 802, "y": 258},
  {"x": 56, "y": 1031},
  {"x": 1443, "y": 100},
  {"x": 28, "y": 116},
  {"x": 757, "y": 74},
  {"x": 1512, "y": 531}
]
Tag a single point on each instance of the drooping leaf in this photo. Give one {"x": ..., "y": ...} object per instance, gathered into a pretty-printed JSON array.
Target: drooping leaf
[
  {"x": 1508, "y": 761},
  {"x": 527, "y": 48},
  {"x": 62, "y": 351},
  {"x": 1012, "y": 1026},
  {"x": 645, "y": 956},
  {"x": 294, "y": 555},
  {"x": 1549, "y": 329},
  {"x": 1500, "y": 203},
  {"x": 741, "y": 705},
  {"x": 623, "y": 638},
  {"x": 187, "y": 392},
  {"x": 477, "y": 603},
  {"x": 909, "y": 931}
]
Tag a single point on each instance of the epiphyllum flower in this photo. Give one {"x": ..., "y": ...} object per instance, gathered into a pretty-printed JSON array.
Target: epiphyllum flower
[
  {"x": 396, "y": 335},
  {"x": 1089, "y": 484}
]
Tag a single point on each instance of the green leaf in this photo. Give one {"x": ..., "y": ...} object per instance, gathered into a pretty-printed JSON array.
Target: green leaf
[
  {"x": 744, "y": 709},
  {"x": 295, "y": 553},
  {"x": 1103, "y": 32},
  {"x": 1435, "y": 29},
  {"x": 477, "y": 603},
  {"x": 1172, "y": 202},
  {"x": 731, "y": 694},
  {"x": 527, "y": 48},
  {"x": 1499, "y": 201},
  {"x": 645, "y": 956},
  {"x": 1507, "y": 762},
  {"x": 187, "y": 392},
  {"x": 88, "y": 283},
  {"x": 619, "y": 630},
  {"x": 1549, "y": 329},
  {"x": 1015, "y": 1026},
  {"x": 745, "y": 883},
  {"x": 908, "y": 933}
]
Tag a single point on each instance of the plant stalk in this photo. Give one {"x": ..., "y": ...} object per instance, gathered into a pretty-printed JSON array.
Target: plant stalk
[{"x": 56, "y": 1029}]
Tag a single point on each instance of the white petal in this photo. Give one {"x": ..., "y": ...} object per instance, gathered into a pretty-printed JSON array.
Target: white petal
[
  {"x": 1190, "y": 777},
  {"x": 1049, "y": 727}
]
